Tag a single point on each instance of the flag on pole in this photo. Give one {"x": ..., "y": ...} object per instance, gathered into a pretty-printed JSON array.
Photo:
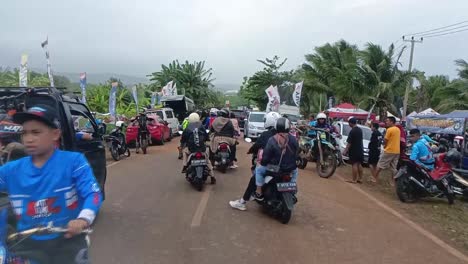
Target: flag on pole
[
  {"x": 273, "y": 99},
  {"x": 135, "y": 96},
  {"x": 297, "y": 93},
  {"x": 23, "y": 72},
  {"x": 173, "y": 90},
  {"x": 83, "y": 87},
  {"x": 49, "y": 68},
  {"x": 112, "y": 99}
]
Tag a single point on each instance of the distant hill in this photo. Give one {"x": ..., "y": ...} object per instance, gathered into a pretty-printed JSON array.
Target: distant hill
[{"x": 224, "y": 87}]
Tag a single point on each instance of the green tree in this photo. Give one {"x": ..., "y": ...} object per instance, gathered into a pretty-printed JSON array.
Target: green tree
[{"x": 455, "y": 95}]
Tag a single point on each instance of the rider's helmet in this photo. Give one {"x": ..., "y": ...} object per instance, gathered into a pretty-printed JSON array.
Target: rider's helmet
[
  {"x": 270, "y": 119},
  {"x": 321, "y": 116},
  {"x": 120, "y": 124},
  {"x": 193, "y": 118},
  {"x": 282, "y": 125},
  {"x": 453, "y": 157},
  {"x": 224, "y": 113}
]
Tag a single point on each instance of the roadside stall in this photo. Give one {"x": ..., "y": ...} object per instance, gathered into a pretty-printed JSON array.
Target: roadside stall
[
  {"x": 346, "y": 110},
  {"x": 454, "y": 123}
]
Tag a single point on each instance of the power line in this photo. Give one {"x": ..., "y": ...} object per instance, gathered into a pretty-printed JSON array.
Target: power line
[
  {"x": 448, "y": 33},
  {"x": 435, "y": 29},
  {"x": 443, "y": 31}
]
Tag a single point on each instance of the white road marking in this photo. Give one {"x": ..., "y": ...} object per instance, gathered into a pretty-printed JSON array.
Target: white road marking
[
  {"x": 412, "y": 224},
  {"x": 113, "y": 163},
  {"x": 197, "y": 217}
]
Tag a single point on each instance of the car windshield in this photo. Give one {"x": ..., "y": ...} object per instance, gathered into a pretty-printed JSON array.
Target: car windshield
[
  {"x": 256, "y": 118},
  {"x": 366, "y": 132},
  {"x": 160, "y": 114}
]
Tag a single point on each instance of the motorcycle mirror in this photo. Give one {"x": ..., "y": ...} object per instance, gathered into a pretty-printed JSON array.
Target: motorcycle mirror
[
  {"x": 180, "y": 132},
  {"x": 248, "y": 140}
]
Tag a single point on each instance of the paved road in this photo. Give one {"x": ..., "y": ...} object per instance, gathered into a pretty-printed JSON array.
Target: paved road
[{"x": 152, "y": 215}]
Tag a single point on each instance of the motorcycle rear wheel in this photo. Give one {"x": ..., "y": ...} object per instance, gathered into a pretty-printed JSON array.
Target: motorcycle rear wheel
[
  {"x": 404, "y": 190},
  {"x": 144, "y": 145},
  {"x": 285, "y": 215},
  {"x": 127, "y": 152}
]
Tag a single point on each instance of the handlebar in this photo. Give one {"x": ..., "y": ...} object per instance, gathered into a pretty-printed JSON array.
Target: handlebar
[{"x": 49, "y": 229}]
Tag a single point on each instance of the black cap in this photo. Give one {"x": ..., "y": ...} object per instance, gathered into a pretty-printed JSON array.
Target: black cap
[{"x": 40, "y": 112}]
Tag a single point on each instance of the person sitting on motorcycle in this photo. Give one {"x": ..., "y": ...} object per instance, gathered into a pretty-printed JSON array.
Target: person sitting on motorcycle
[
  {"x": 50, "y": 185},
  {"x": 323, "y": 124},
  {"x": 185, "y": 123},
  {"x": 256, "y": 150},
  {"x": 421, "y": 153},
  {"x": 194, "y": 138},
  {"x": 282, "y": 149},
  {"x": 224, "y": 131},
  {"x": 142, "y": 121},
  {"x": 212, "y": 118}
]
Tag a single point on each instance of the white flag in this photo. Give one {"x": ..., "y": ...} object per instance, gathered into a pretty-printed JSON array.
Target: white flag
[
  {"x": 174, "y": 89},
  {"x": 23, "y": 72},
  {"x": 273, "y": 99},
  {"x": 297, "y": 93}
]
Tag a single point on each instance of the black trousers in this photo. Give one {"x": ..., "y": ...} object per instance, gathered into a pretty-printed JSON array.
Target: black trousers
[
  {"x": 251, "y": 187},
  {"x": 54, "y": 251},
  {"x": 233, "y": 152}
]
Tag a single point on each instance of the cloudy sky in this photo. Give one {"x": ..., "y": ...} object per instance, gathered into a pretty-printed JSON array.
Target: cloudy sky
[{"x": 136, "y": 37}]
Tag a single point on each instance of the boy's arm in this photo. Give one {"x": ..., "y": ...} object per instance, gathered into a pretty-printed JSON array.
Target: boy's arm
[{"x": 88, "y": 189}]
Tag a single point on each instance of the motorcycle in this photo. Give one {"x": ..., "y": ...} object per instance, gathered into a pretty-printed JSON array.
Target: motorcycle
[
  {"x": 222, "y": 157},
  {"x": 279, "y": 195},
  {"x": 414, "y": 181},
  {"x": 9, "y": 242},
  {"x": 197, "y": 170},
  {"x": 143, "y": 141},
  {"x": 117, "y": 146},
  {"x": 458, "y": 178},
  {"x": 323, "y": 153}
]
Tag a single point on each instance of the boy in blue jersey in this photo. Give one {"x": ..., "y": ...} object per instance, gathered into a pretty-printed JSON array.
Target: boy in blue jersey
[{"x": 51, "y": 185}]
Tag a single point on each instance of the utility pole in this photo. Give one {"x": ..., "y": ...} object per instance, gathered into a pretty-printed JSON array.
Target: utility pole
[{"x": 410, "y": 68}]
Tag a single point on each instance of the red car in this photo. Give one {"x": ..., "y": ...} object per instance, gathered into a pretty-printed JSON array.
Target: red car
[{"x": 158, "y": 129}]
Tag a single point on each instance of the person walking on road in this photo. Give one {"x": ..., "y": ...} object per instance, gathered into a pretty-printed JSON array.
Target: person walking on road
[
  {"x": 389, "y": 158},
  {"x": 355, "y": 150},
  {"x": 374, "y": 149}
]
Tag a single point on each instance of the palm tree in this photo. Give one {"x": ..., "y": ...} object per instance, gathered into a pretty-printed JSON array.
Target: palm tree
[{"x": 455, "y": 95}]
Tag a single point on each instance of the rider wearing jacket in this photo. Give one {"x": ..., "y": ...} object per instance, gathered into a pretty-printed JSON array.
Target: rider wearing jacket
[
  {"x": 194, "y": 138},
  {"x": 256, "y": 150},
  {"x": 223, "y": 130}
]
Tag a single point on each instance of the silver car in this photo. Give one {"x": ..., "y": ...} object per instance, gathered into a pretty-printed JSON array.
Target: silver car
[
  {"x": 344, "y": 128},
  {"x": 254, "y": 124}
]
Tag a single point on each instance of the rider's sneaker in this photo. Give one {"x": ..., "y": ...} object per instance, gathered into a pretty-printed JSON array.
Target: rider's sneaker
[
  {"x": 184, "y": 169},
  {"x": 258, "y": 196},
  {"x": 237, "y": 204}
]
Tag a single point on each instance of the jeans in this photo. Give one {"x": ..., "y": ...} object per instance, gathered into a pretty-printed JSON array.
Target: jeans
[{"x": 260, "y": 172}]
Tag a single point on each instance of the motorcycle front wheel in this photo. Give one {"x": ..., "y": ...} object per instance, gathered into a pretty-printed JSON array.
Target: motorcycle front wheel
[
  {"x": 144, "y": 145},
  {"x": 285, "y": 215},
  {"x": 405, "y": 191},
  {"x": 328, "y": 167},
  {"x": 114, "y": 153},
  {"x": 301, "y": 163}
]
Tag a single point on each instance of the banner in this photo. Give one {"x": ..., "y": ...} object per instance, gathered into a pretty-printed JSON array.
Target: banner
[
  {"x": 23, "y": 72},
  {"x": 83, "y": 87},
  {"x": 158, "y": 98},
  {"x": 297, "y": 93},
  {"x": 173, "y": 90},
  {"x": 437, "y": 124},
  {"x": 49, "y": 68},
  {"x": 153, "y": 99},
  {"x": 273, "y": 99},
  {"x": 112, "y": 99},
  {"x": 135, "y": 96}
]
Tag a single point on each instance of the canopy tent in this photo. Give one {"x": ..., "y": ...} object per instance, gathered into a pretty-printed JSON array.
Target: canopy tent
[
  {"x": 347, "y": 110},
  {"x": 458, "y": 113},
  {"x": 428, "y": 111},
  {"x": 390, "y": 114},
  {"x": 412, "y": 113}
]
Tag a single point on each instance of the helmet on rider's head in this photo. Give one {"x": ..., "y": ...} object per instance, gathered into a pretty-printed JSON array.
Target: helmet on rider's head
[
  {"x": 282, "y": 125},
  {"x": 193, "y": 118},
  {"x": 120, "y": 124},
  {"x": 453, "y": 156},
  {"x": 224, "y": 113},
  {"x": 321, "y": 116},
  {"x": 270, "y": 119}
]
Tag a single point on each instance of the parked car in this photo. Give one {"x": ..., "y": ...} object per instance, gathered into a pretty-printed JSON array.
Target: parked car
[
  {"x": 240, "y": 115},
  {"x": 167, "y": 114},
  {"x": 254, "y": 124},
  {"x": 158, "y": 128},
  {"x": 344, "y": 129}
]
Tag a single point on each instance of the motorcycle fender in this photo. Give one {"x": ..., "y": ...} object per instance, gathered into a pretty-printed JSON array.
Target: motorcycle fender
[
  {"x": 268, "y": 179},
  {"x": 288, "y": 199},
  {"x": 199, "y": 171}
]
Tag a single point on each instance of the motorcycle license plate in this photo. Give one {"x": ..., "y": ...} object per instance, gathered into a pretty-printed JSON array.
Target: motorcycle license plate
[
  {"x": 198, "y": 162},
  {"x": 286, "y": 186}
]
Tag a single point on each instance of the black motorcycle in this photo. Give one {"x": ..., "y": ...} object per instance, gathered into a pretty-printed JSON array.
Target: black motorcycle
[
  {"x": 221, "y": 158},
  {"x": 117, "y": 146},
  {"x": 414, "y": 182},
  {"x": 279, "y": 195},
  {"x": 197, "y": 170}
]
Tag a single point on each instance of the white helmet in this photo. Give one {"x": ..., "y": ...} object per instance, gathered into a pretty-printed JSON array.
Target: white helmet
[
  {"x": 193, "y": 117},
  {"x": 270, "y": 119},
  {"x": 119, "y": 124},
  {"x": 321, "y": 115}
]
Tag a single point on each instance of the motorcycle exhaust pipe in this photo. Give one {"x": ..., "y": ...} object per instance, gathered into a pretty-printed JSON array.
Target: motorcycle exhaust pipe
[{"x": 417, "y": 182}]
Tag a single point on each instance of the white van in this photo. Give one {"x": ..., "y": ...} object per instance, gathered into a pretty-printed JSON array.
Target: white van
[{"x": 167, "y": 114}]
